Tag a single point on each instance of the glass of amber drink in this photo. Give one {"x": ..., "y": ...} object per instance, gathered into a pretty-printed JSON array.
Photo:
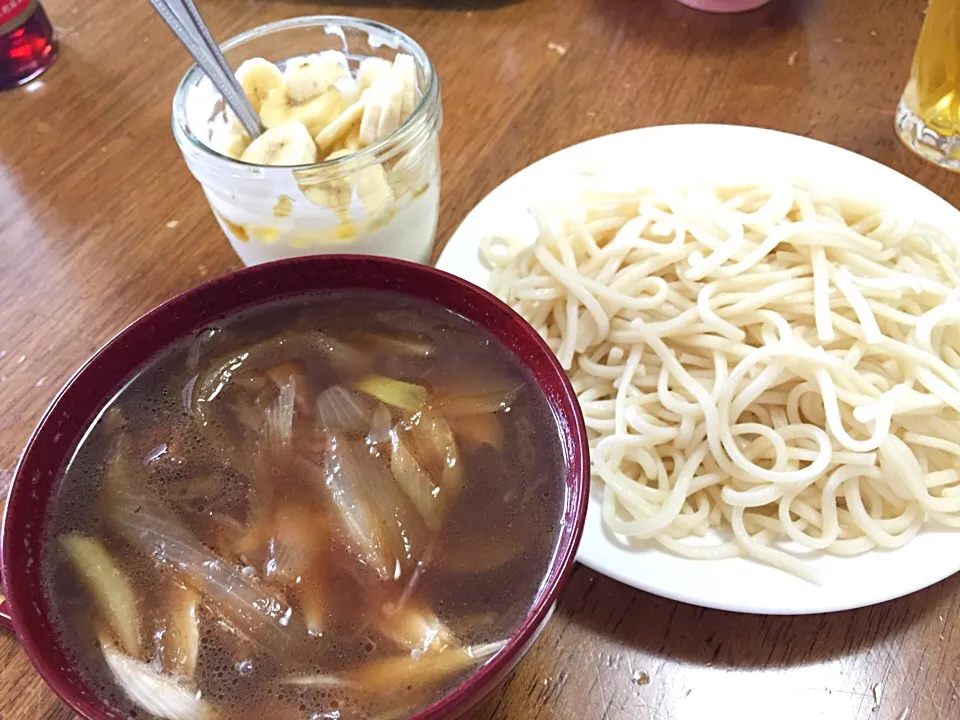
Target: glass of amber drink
[{"x": 928, "y": 117}]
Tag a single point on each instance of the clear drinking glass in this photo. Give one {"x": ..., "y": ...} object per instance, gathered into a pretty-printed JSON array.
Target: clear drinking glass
[
  {"x": 269, "y": 213},
  {"x": 928, "y": 117}
]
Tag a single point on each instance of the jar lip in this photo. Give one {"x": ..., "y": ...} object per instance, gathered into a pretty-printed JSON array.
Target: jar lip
[{"x": 182, "y": 132}]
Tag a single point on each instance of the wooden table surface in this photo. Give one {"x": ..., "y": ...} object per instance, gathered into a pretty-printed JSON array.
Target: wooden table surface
[{"x": 100, "y": 221}]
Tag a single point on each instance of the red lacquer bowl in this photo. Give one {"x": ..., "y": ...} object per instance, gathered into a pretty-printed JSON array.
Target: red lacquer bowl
[{"x": 88, "y": 391}]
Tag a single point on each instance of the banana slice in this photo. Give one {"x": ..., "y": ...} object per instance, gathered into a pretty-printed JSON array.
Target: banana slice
[
  {"x": 407, "y": 173},
  {"x": 373, "y": 189},
  {"x": 391, "y": 99},
  {"x": 230, "y": 139},
  {"x": 382, "y": 114},
  {"x": 369, "y": 70},
  {"x": 351, "y": 142},
  {"x": 334, "y": 193},
  {"x": 390, "y": 116},
  {"x": 235, "y": 145},
  {"x": 311, "y": 77},
  {"x": 335, "y": 56},
  {"x": 341, "y": 126},
  {"x": 258, "y": 77},
  {"x": 288, "y": 144},
  {"x": 349, "y": 92},
  {"x": 406, "y": 71},
  {"x": 316, "y": 114},
  {"x": 371, "y": 115}
]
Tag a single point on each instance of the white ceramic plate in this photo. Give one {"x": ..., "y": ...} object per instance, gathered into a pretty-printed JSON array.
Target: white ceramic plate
[{"x": 724, "y": 153}]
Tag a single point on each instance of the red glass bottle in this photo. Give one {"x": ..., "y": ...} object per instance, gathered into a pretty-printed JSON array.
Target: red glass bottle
[{"x": 27, "y": 42}]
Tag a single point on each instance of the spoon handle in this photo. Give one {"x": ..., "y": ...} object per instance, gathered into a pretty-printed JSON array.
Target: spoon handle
[{"x": 185, "y": 22}]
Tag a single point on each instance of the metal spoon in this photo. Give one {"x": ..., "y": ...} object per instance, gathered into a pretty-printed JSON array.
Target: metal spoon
[{"x": 184, "y": 19}]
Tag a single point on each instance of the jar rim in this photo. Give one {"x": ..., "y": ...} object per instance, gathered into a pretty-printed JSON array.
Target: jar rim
[{"x": 399, "y": 137}]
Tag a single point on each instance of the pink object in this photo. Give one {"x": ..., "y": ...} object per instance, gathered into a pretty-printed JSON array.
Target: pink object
[
  {"x": 64, "y": 423},
  {"x": 724, "y": 6}
]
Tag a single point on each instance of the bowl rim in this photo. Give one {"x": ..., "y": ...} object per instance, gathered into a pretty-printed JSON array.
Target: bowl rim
[{"x": 565, "y": 409}]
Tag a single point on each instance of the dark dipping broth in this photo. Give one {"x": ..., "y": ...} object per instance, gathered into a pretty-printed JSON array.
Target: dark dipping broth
[{"x": 337, "y": 507}]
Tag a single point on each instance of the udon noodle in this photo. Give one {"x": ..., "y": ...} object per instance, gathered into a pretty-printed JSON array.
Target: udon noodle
[{"x": 772, "y": 362}]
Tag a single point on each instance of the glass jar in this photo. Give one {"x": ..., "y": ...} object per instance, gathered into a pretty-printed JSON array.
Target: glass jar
[{"x": 269, "y": 213}]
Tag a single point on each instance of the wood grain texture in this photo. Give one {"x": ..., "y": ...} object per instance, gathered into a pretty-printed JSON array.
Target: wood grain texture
[{"x": 90, "y": 178}]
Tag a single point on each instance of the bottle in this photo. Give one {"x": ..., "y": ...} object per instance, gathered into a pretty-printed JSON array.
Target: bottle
[{"x": 27, "y": 42}]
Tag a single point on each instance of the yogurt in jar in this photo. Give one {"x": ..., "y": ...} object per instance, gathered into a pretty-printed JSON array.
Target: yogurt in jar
[{"x": 348, "y": 163}]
